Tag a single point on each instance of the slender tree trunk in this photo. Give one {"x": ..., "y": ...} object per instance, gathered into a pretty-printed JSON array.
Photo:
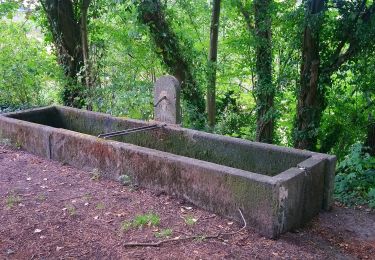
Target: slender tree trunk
[
  {"x": 67, "y": 39},
  {"x": 370, "y": 137},
  {"x": 151, "y": 13},
  {"x": 264, "y": 89},
  {"x": 212, "y": 63},
  {"x": 310, "y": 104},
  {"x": 85, "y": 50}
]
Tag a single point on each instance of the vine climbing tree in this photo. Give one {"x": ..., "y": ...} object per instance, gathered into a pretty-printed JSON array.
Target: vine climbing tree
[{"x": 177, "y": 62}]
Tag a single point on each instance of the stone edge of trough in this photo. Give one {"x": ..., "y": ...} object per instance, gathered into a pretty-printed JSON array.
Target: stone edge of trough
[{"x": 272, "y": 204}]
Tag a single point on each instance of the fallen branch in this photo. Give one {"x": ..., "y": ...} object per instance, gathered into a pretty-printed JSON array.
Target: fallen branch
[{"x": 179, "y": 239}]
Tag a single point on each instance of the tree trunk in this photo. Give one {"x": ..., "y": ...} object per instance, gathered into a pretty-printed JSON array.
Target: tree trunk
[
  {"x": 264, "y": 89},
  {"x": 85, "y": 50},
  {"x": 212, "y": 63},
  {"x": 67, "y": 39},
  {"x": 310, "y": 104},
  {"x": 370, "y": 137},
  {"x": 151, "y": 13}
]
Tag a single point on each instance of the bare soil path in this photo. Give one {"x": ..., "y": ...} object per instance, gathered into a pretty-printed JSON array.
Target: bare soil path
[{"x": 53, "y": 211}]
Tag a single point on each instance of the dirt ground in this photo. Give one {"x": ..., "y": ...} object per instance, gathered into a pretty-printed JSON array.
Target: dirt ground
[{"x": 53, "y": 211}]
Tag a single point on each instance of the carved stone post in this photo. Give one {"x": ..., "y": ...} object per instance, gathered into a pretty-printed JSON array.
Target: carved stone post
[{"x": 167, "y": 100}]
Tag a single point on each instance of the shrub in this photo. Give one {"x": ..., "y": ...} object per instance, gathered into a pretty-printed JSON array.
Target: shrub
[{"x": 355, "y": 178}]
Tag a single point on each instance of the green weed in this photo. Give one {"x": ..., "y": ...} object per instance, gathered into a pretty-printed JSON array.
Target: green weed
[
  {"x": 355, "y": 178},
  {"x": 190, "y": 220},
  {"x": 71, "y": 210},
  {"x": 164, "y": 233},
  {"x": 149, "y": 219},
  {"x": 100, "y": 206},
  {"x": 96, "y": 174},
  {"x": 12, "y": 200}
]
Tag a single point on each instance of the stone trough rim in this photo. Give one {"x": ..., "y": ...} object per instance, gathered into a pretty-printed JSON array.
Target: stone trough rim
[
  {"x": 277, "y": 214},
  {"x": 275, "y": 179}
]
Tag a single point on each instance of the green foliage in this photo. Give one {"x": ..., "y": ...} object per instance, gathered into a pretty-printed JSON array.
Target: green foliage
[
  {"x": 355, "y": 178},
  {"x": 100, "y": 206},
  {"x": 12, "y": 199},
  {"x": 29, "y": 74},
  {"x": 96, "y": 174},
  {"x": 126, "y": 62},
  {"x": 164, "y": 233},
  {"x": 190, "y": 220},
  {"x": 149, "y": 219},
  {"x": 71, "y": 209},
  {"x": 8, "y": 8}
]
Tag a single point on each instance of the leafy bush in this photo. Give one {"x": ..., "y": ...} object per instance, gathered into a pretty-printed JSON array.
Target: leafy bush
[
  {"x": 30, "y": 75},
  {"x": 355, "y": 178}
]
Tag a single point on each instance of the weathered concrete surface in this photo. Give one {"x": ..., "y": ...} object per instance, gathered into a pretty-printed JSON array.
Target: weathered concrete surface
[
  {"x": 278, "y": 189},
  {"x": 249, "y": 156},
  {"x": 167, "y": 100}
]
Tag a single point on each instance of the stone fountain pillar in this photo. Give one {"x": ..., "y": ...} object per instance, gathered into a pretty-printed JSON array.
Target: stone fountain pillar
[{"x": 167, "y": 100}]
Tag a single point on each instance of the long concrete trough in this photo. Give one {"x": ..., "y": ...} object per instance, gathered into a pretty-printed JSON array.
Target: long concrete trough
[{"x": 277, "y": 189}]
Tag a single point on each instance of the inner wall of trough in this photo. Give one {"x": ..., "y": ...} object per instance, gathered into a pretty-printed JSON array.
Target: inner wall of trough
[
  {"x": 212, "y": 148},
  {"x": 45, "y": 116}
]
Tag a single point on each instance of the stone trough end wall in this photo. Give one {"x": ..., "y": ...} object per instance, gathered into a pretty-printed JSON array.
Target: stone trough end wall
[{"x": 271, "y": 204}]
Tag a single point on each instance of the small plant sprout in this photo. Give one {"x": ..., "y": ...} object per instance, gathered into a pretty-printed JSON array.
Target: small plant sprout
[
  {"x": 12, "y": 200},
  {"x": 190, "y": 220},
  {"x": 87, "y": 197},
  {"x": 126, "y": 225},
  {"x": 96, "y": 174},
  {"x": 200, "y": 238},
  {"x": 100, "y": 206},
  {"x": 125, "y": 180},
  {"x": 149, "y": 219},
  {"x": 42, "y": 197},
  {"x": 164, "y": 233},
  {"x": 71, "y": 210},
  {"x": 18, "y": 145}
]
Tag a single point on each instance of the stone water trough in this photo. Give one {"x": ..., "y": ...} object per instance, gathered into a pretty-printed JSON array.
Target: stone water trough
[{"x": 277, "y": 189}]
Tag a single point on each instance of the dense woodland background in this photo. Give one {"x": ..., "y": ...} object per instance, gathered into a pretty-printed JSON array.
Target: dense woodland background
[{"x": 292, "y": 73}]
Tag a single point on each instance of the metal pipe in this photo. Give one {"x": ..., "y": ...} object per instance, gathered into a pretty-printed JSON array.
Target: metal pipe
[
  {"x": 129, "y": 131},
  {"x": 125, "y": 130}
]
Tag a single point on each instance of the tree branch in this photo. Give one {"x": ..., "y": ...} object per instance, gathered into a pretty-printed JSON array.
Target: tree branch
[{"x": 349, "y": 38}]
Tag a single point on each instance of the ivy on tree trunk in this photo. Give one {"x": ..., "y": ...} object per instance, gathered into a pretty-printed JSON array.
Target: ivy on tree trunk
[
  {"x": 65, "y": 29},
  {"x": 316, "y": 73},
  {"x": 310, "y": 96},
  {"x": 212, "y": 63},
  {"x": 264, "y": 89},
  {"x": 178, "y": 63}
]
